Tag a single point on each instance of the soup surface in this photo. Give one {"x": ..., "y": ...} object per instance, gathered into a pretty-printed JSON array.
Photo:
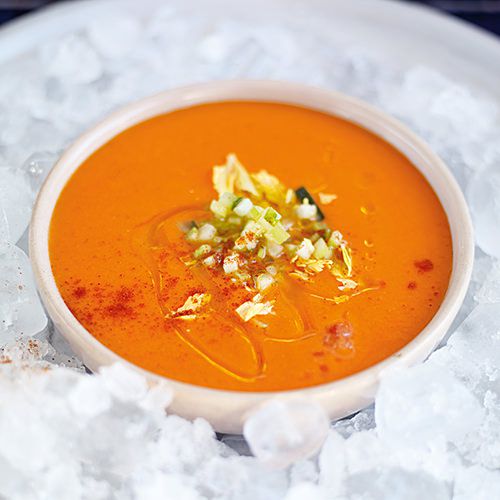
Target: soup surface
[{"x": 125, "y": 267}]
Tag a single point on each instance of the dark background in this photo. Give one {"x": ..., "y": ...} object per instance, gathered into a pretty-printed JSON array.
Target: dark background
[{"x": 483, "y": 13}]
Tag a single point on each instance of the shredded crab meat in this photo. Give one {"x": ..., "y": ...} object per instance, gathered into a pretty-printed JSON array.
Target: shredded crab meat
[
  {"x": 347, "y": 284},
  {"x": 254, "y": 307},
  {"x": 194, "y": 303}
]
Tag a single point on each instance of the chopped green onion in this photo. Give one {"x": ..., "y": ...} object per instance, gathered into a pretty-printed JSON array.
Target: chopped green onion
[
  {"x": 206, "y": 232},
  {"x": 272, "y": 270},
  {"x": 230, "y": 264},
  {"x": 192, "y": 234},
  {"x": 242, "y": 206},
  {"x": 223, "y": 206},
  {"x": 235, "y": 221},
  {"x": 272, "y": 216},
  {"x": 277, "y": 234},
  {"x": 202, "y": 251},
  {"x": 274, "y": 249},
  {"x": 259, "y": 221},
  {"x": 255, "y": 212},
  {"x": 210, "y": 261},
  {"x": 291, "y": 249}
]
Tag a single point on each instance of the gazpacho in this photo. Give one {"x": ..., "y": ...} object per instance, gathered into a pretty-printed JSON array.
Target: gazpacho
[{"x": 250, "y": 246}]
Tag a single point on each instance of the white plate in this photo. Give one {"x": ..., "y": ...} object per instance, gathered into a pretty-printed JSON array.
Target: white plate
[{"x": 407, "y": 34}]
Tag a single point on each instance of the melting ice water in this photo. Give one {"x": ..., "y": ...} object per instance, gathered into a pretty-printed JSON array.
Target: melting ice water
[{"x": 64, "y": 434}]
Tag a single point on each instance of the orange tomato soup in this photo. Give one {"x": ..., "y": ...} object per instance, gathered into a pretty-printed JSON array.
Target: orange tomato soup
[{"x": 116, "y": 248}]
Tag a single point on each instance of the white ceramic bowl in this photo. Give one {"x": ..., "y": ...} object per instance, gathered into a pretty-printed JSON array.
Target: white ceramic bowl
[{"x": 226, "y": 410}]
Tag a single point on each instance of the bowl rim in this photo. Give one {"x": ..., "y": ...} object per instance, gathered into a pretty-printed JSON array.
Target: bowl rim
[{"x": 297, "y": 94}]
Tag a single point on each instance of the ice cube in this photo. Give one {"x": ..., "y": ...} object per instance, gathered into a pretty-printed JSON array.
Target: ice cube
[
  {"x": 157, "y": 399},
  {"x": 16, "y": 200},
  {"x": 13, "y": 124},
  {"x": 184, "y": 446},
  {"x": 433, "y": 403},
  {"x": 483, "y": 196},
  {"x": 281, "y": 432},
  {"x": 124, "y": 383},
  {"x": 459, "y": 111},
  {"x": 332, "y": 465},
  {"x": 237, "y": 443},
  {"x": 418, "y": 89},
  {"x": 43, "y": 136},
  {"x": 71, "y": 59},
  {"x": 151, "y": 486},
  {"x": 364, "y": 420},
  {"x": 243, "y": 478},
  {"x": 305, "y": 491},
  {"x": 473, "y": 350},
  {"x": 397, "y": 484},
  {"x": 116, "y": 38},
  {"x": 38, "y": 165},
  {"x": 21, "y": 312},
  {"x": 213, "y": 48},
  {"x": 490, "y": 289},
  {"x": 89, "y": 397},
  {"x": 108, "y": 435},
  {"x": 304, "y": 471},
  {"x": 476, "y": 483}
]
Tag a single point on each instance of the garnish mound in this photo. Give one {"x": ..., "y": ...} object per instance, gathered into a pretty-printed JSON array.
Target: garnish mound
[{"x": 259, "y": 230}]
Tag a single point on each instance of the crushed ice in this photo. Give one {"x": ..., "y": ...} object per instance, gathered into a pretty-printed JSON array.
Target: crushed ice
[{"x": 435, "y": 429}]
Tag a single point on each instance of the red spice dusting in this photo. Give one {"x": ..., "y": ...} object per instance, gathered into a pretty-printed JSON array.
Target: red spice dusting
[
  {"x": 323, "y": 368},
  {"x": 171, "y": 281},
  {"x": 124, "y": 295},
  {"x": 87, "y": 317},
  {"x": 412, "y": 285},
  {"x": 424, "y": 265},
  {"x": 79, "y": 292},
  {"x": 117, "y": 310},
  {"x": 120, "y": 307},
  {"x": 218, "y": 257},
  {"x": 319, "y": 354}
]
